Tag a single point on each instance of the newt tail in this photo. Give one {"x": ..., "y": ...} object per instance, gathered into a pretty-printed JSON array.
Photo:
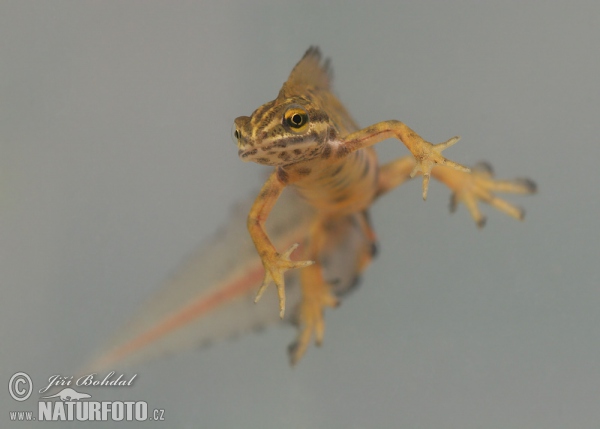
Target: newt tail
[{"x": 210, "y": 298}]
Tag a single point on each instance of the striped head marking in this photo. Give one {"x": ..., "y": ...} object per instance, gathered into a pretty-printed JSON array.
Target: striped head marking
[{"x": 282, "y": 132}]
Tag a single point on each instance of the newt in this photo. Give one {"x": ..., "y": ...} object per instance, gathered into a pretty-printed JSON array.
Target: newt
[{"x": 315, "y": 204}]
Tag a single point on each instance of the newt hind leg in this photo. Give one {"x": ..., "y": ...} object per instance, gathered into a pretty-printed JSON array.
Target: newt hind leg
[
  {"x": 467, "y": 187},
  {"x": 480, "y": 185},
  {"x": 316, "y": 296},
  {"x": 335, "y": 245}
]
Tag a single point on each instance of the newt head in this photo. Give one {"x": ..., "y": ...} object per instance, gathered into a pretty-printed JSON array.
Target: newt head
[
  {"x": 297, "y": 125},
  {"x": 282, "y": 132}
]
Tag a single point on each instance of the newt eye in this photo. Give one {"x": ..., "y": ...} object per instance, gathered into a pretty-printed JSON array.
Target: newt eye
[
  {"x": 235, "y": 134},
  {"x": 296, "y": 118}
]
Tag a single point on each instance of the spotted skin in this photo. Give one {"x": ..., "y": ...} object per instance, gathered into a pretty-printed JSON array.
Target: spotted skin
[{"x": 316, "y": 147}]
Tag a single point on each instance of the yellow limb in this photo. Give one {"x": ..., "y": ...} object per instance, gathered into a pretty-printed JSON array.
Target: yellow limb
[
  {"x": 316, "y": 296},
  {"x": 275, "y": 263},
  {"x": 426, "y": 155},
  {"x": 468, "y": 188}
]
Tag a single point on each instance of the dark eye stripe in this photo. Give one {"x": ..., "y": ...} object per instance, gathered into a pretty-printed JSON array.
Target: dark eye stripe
[{"x": 318, "y": 116}]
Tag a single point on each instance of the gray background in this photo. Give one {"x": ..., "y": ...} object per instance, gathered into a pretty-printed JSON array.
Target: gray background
[{"x": 116, "y": 161}]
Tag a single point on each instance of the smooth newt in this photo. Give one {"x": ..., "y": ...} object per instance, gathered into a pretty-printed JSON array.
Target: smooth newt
[{"x": 333, "y": 177}]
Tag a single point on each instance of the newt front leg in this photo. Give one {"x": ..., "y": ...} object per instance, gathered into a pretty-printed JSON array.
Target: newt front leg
[
  {"x": 275, "y": 263},
  {"x": 426, "y": 155}
]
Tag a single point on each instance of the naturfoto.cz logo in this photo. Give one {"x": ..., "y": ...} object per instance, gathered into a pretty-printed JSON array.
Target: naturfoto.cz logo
[{"x": 72, "y": 405}]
